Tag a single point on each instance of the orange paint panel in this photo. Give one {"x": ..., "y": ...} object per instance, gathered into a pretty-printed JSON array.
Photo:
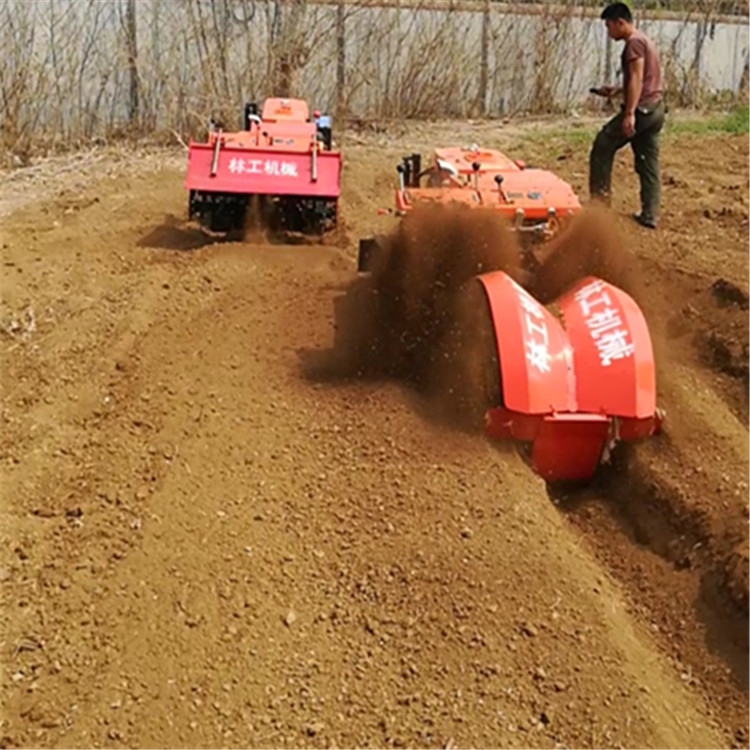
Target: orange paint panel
[
  {"x": 534, "y": 353},
  {"x": 612, "y": 352}
]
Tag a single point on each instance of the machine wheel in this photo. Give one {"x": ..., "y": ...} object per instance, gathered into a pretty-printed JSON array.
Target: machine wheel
[{"x": 218, "y": 212}]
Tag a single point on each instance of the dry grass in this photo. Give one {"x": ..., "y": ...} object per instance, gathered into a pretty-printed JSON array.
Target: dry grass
[{"x": 73, "y": 74}]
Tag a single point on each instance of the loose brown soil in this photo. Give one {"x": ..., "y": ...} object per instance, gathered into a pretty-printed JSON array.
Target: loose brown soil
[{"x": 214, "y": 533}]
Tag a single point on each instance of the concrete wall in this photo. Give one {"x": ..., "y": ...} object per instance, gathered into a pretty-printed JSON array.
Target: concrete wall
[{"x": 415, "y": 59}]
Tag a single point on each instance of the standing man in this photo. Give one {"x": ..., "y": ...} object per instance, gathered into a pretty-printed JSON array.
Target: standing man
[{"x": 640, "y": 119}]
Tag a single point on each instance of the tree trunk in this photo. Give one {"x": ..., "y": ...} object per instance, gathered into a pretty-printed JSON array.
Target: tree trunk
[
  {"x": 484, "y": 63},
  {"x": 340, "y": 61},
  {"x": 744, "y": 81},
  {"x": 132, "y": 47}
]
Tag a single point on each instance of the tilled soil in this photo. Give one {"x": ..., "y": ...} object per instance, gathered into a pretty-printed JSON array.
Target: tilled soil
[{"x": 208, "y": 541}]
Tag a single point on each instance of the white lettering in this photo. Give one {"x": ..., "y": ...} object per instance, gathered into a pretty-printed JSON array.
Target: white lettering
[
  {"x": 532, "y": 328},
  {"x": 537, "y": 355},
  {"x": 604, "y": 324},
  {"x": 606, "y": 320},
  {"x": 269, "y": 167},
  {"x": 236, "y": 166},
  {"x": 586, "y": 304},
  {"x": 530, "y": 305},
  {"x": 289, "y": 169},
  {"x": 590, "y": 288},
  {"x": 613, "y": 346},
  {"x": 537, "y": 341}
]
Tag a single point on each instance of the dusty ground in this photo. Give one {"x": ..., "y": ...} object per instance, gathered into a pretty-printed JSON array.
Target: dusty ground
[{"x": 203, "y": 546}]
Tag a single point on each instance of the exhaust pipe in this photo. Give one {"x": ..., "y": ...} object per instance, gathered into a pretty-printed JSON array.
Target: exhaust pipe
[
  {"x": 215, "y": 160},
  {"x": 323, "y": 125},
  {"x": 416, "y": 165},
  {"x": 250, "y": 114},
  {"x": 407, "y": 171}
]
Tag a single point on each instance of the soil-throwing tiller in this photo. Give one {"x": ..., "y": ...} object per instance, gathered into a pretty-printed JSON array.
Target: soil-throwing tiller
[{"x": 571, "y": 378}]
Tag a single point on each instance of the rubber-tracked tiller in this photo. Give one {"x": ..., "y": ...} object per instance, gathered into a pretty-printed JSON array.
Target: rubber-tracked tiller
[{"x": 281, "y": 166}]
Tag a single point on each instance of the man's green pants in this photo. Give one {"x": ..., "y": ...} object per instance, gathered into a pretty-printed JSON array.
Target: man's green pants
[{"x": 645, "y": 144}]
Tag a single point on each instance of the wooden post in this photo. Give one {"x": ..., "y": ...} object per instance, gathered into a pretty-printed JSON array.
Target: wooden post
[
  {"x": 484, "y": 63},
  {"x": 132, "y": 48},
  {"x": 701, "y": 30},
  {"x": 340, "y": 61},
  {"x": 742, "y": 90}
]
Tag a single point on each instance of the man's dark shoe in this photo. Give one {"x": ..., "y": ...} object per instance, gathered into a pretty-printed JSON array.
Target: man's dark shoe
[{"x": 645, "y": 222}]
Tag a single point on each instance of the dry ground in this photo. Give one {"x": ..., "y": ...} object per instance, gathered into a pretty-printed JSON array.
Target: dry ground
[{"x": 202, "y": 546}]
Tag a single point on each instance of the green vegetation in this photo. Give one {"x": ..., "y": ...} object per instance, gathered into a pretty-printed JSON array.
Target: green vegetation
[
  {"x": 738, "y": 121},
  {"x": 574, "y": 134},
  {"x": 734, "y": 122},
  {"x": 577, "y": 135}
]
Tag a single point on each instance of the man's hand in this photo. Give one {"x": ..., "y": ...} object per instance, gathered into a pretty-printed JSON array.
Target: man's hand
[
  {"x": 628, "y": 125},
  {"x": 606, "y": 91}
]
